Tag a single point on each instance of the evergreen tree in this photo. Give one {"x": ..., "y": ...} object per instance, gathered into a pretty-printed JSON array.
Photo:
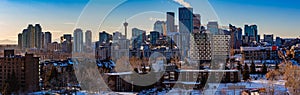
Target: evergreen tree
[
  {"x": 239, "y": 67},
  {"x": 246, "y": 74},
  {"x": 252, "y": 68},
  {"x": 276, "y": 66},
  {"x": 264, "y": 68}
]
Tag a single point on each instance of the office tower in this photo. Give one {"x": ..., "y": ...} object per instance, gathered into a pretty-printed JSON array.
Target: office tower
[
  {"x": 236, "y": 37},
  {"x": 31, "y": 36},
  {"x": 42, "y": 40},
  {"x": 22, "y": 70},
  {"x": 185, "y": 20},
  {"x": 278, "y": 41},
  {"x": 185, "y": 28},
  {"x": 38, "y": 36},
  {"x": 138, "y": 34},
  {"x": 154, "y": 36},
  {"x": 25, "y": 38},
  {"x": 252, "y": 32},
  {"x": 269, "y": 39},
  {"x": 138, "y": 37},
  {"x": 78, "y": 40},
  {"x": 159, "y": 26},
  {"x": 47, "y": 39},
  {"x": 104, "y": 37},
  {"x": 20, "y": 41},
  {"x": 197, "y": 23},
  {"x": 213, "y": 27},
  {"x": 254, "y": 29},
  {"x": 125, "y": 26},
  {"x": 67, "y": 43},
  {"x": 88, "y": 38},
  {"x": 248, "y": 31},
  {"x": 170, "y": 22}
]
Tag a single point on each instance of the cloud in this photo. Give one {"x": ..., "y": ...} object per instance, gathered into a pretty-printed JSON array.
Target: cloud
[
  {"x": 156, "y": 19},
  {"x": 183, "y": 3},
  {"x": 69, "y": 23}
]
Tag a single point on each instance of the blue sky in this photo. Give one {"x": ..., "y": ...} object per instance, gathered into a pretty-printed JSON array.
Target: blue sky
[{"x": 62, "y": 16}]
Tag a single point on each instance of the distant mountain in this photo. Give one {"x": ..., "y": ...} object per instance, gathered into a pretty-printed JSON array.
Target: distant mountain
[{"x": 7, "y": 41}]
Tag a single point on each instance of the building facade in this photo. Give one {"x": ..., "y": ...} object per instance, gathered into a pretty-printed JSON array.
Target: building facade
[
  {"x": 201, "y": 48},
  {"x": 170, "y": 22},
  {"x": 269, "y": 39},
  {"x": 24, "y": 70},
  {"x": 185, "y": 28},
  {"x": 78, "y": 41}
]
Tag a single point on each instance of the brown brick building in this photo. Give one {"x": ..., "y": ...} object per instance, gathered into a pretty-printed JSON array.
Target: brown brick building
[{"x": 24, "y": 69}]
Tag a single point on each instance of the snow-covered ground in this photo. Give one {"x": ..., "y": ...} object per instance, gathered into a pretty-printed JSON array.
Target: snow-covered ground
[
  {"x": 213, "y": 89},
  {"x": 223, "y": 88}
]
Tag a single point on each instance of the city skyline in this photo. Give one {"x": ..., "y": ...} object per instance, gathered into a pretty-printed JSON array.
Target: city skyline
[{"x": 72, "y": 15}]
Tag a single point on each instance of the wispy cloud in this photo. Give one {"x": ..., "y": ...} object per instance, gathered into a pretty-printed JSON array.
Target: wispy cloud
[
  {"x": 183, "y": 3},
  {"x": 156, "y": 19},
  {"x": 69, "y": 23}
]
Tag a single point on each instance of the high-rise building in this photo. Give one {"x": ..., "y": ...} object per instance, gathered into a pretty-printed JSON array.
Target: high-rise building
[
  {"x": 104, "y": 37},
  {"x": 119, "y": 47},
  {"x": 186, "y": 20},
  {"x": 67, "y": 43},
  {"x": 78, "y": 40},
  {"x": 38, "y": 36},
  {"x": 185, "y": 28},
  {"x": 88, "y": 38},
  {"x": 20, "y": 41},
  {"x": 48, "y": 39},
  {"x": 159, "y": 26},
  {"x": 154, "y": 36},
  {"x": 138, "y": 37},
  {"x": 237, "y": 36},
  {"x": 31, "y": 36},
  {"x": 201, "y": 47},
  {"x": 25, "y": 39},
  {"x": 269, "y": 38},
  {"x": 252, "y": 32},
  {"x": 197, "y": 23},
  {"x": 220, "y": 50},
  {"x": 221, "y": 45},
  {"x": 213, "y": 27},
  {"x": 170, "y": 22},
  {"x": 278, "y": 41},
  {"x": 20, "y": 70}
]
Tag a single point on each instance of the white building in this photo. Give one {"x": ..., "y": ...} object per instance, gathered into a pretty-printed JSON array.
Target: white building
[
  {"x": 200, "y": 47},
  {"x": 221, "y": 45},
  {"x": 220, "y": 50}
]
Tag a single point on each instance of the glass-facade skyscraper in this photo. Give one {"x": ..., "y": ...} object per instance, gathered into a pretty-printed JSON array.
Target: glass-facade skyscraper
[{"x": 186, "y": 27}]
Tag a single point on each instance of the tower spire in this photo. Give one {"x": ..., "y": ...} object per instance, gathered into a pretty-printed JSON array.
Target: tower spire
[{"x": 125, "y": 26}]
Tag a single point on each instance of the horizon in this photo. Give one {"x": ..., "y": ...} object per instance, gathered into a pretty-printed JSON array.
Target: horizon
[{"x": 269, "y": 15}]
